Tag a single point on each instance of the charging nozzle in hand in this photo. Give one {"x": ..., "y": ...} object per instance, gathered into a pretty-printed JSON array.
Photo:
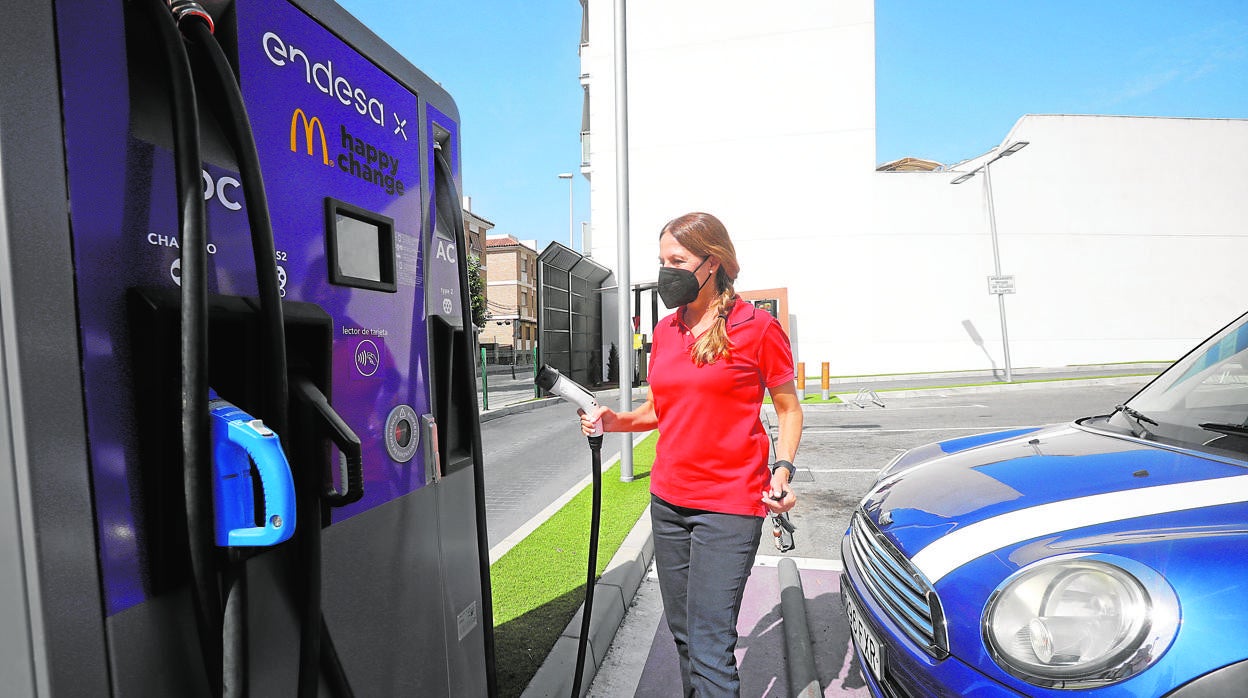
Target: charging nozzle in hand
[{"x": 550, "y": 380}]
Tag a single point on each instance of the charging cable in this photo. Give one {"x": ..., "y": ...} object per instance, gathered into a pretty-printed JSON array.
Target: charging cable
[{"x": 550, "y": 380}]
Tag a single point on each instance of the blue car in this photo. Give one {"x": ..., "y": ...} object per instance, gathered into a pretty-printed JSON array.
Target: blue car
[{"x": 1104, "y": 557}]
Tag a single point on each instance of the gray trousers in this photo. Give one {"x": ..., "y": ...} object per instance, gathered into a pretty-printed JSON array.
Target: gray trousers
[{"x": 703, "y": 559}]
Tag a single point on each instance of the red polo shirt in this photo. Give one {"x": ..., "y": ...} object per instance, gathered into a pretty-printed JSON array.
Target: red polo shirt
[{"x": 712, "y": 449}]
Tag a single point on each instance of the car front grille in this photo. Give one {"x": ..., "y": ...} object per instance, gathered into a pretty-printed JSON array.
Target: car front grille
[{"x": 899, "y": 588}]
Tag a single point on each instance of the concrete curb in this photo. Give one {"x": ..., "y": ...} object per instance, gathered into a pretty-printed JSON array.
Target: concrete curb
[
  {"x": 996, "y": 388},
  {"x": 517, "y": 408},
  {"x": 613, "y": 594}
]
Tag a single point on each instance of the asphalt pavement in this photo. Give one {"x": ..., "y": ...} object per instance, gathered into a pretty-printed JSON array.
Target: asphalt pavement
[{"x": 535, "y": 457}]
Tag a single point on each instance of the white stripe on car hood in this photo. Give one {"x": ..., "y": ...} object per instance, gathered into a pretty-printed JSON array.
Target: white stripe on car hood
[{"x": 961, "y": 546}]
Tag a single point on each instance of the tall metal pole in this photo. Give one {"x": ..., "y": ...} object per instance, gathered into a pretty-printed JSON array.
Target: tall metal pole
[
  {"x": 625, "y": 324},
  {"x": 996, "y": 268},
  {"x": 571, "y": 217}
]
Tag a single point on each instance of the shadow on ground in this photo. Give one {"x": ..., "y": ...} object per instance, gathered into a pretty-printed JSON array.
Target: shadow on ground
[{"x": 521, "y": 644}]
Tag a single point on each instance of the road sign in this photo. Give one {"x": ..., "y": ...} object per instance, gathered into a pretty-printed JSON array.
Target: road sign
[{"x": 998, "y": 285}]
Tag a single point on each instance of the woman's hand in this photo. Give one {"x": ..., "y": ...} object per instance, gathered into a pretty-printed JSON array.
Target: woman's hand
[
  {"x": 779, "y": 498},
  {"x": 589, "y": 419},
  {"x": 640, "y": 419}
]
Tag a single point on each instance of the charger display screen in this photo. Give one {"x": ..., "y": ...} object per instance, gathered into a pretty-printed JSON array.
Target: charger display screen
[{"x": 360, "y": 247}]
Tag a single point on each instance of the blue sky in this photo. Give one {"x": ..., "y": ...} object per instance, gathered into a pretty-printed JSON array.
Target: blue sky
[
  {"x": 513, "y": 69},
  {"x": 952, "y": 77}
]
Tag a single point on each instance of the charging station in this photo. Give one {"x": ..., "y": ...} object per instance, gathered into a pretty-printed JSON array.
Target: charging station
[{"x": 360, "y": 362}]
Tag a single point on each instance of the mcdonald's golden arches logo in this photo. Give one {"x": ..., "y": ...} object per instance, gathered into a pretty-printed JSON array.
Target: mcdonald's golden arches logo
[{"x": 310, "y": 126}]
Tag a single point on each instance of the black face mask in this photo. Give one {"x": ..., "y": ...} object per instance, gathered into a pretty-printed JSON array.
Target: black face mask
[{"x": 679, "y": 287}]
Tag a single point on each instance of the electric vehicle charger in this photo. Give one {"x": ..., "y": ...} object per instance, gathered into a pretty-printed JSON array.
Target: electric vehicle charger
[
  {"x": 550, "y": 380},
  {"x": 134, "y": 263}
]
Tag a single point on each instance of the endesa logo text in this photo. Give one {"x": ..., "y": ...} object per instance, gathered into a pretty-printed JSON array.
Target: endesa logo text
[
  {"x": 358, "y": 157},
  {"x": 322, "y": 76}
]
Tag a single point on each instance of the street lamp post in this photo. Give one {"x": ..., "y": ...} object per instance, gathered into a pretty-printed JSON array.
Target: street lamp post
[
  {"x": 571, "y": 214},
  {"x": 996, "y": 254}
]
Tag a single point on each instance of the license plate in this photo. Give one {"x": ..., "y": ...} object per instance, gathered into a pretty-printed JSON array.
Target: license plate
[{"x": 869, "y": 647}]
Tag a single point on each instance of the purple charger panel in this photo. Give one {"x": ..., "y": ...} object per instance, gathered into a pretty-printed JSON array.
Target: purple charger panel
[{"x": 328, "y": 123}]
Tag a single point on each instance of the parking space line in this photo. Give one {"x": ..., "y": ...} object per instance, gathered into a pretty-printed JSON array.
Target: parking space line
[
  {"x": 816, "y": 407},
  {"x": 903, "y": 431},
  {"x": 803, "y": 563}
]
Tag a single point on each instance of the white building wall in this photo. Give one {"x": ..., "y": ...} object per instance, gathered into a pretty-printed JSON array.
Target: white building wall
[
  {"x": 1125, "y": 235},
  {"x": 739, "y": 108}
]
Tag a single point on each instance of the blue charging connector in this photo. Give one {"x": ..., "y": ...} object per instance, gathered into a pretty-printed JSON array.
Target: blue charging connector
[{"x": 238, "y": 440}]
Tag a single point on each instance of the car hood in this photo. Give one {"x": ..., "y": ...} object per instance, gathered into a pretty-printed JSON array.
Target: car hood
[{"x": 953, "y": 508}]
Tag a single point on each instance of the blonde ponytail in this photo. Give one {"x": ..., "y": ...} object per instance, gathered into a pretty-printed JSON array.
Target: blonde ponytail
[{"x": 714, "y": 344}]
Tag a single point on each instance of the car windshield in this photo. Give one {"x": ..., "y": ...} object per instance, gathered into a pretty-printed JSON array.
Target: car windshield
[{"x": 1200, "y": 402}]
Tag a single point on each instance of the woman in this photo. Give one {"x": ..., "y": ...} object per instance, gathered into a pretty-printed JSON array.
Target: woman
[{"x": 710, "y": 485}]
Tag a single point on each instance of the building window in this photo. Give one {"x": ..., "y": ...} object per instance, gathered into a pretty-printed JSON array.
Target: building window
[
  {"x": 584, "y": 22},
  {"x": 584, "y": 125}
]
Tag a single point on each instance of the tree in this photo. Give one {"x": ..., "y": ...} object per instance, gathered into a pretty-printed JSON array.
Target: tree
[
  {"x": 594, "y": 370},
  {"x": 613, "y": 364},
  {"x": 476, "y": 289}
]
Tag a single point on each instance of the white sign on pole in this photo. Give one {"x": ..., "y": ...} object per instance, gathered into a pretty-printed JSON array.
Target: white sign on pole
[{"x": 999, "y": 285}]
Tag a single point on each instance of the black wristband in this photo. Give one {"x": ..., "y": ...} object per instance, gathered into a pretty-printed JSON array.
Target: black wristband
[{"x": 786, "y": 465}]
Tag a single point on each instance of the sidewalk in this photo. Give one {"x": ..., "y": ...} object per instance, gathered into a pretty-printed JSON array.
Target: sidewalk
[
  {"x": 629, "y": 567},
  {"x": 519, "y": 397},
  {"x": 517, "y": 401}
]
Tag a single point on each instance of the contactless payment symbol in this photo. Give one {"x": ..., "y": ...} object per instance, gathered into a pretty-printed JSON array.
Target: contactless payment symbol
[{"x": 367, "y": 357}]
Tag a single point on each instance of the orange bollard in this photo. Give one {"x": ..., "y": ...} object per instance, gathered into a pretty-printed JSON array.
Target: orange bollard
[
  {"x": 826, "y": 381},
  {"x": 801, "y": 380}
]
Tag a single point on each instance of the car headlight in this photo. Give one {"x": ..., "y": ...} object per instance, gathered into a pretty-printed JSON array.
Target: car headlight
[{"x": 1081, "y": 620}]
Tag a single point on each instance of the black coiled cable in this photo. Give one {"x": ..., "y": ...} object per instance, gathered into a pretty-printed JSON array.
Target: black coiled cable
[
  {"x": 196, "y": 25},
  {"x": 196, "y": 462}
]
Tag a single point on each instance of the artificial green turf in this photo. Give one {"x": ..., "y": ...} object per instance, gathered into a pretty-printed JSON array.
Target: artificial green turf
[
  {"x": 538, "y": 585},
  {"x": 815, "y": 398}
]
